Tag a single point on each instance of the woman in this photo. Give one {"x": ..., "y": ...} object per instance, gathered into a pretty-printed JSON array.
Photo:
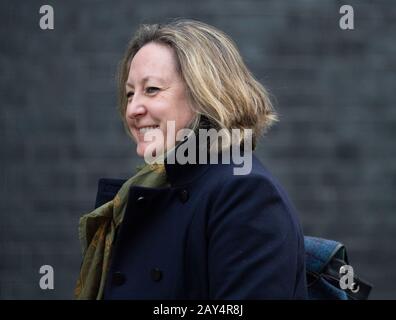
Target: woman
[{"x": 184, "y": 227}]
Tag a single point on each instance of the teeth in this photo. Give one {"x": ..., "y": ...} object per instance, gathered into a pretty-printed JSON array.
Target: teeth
[{"x": 145, "y": 129}]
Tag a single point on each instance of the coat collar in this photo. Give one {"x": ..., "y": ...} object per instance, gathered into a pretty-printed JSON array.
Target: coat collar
[
  {"x": 184, "y": 173},
  {"x": 178, "y": 174}
]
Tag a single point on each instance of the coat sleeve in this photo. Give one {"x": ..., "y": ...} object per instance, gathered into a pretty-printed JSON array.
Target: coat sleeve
[{"x": 255, "y": 244}]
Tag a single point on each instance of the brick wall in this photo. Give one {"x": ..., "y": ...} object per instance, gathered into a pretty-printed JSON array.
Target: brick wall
[{"x": 333, "y": 149}]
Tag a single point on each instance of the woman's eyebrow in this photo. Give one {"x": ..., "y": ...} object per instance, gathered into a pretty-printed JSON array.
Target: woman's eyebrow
[{"x": 145, "y": 79}]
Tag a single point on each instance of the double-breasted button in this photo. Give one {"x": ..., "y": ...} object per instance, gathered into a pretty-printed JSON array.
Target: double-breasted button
[
  {"x": 183, "y": 195},
  {"x": 118, "y": 278},
  {"x": 140, "y": 200},
  {"x": 156, "y": 274}
]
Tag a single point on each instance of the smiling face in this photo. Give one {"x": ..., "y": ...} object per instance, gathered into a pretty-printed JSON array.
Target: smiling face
[{"x": 156, "y": 94}]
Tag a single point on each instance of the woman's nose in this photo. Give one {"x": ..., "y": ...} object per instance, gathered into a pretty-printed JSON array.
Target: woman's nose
[{"x": 135, "y": 108}]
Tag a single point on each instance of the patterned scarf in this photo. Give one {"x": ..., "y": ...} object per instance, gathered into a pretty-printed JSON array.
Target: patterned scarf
[{"x": 97, "y": 230}]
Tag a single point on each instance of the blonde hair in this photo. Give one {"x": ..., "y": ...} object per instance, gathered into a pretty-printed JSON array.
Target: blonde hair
[{"x": 219, "y": 85}]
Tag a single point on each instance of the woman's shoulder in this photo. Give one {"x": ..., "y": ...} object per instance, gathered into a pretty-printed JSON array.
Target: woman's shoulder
[
  {"x": 256, "y": 199},
  {"x": 247, "y": 171},
  {"x": 259, "y": 185}
]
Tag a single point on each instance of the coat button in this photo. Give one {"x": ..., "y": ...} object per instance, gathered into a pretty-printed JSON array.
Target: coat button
[
  {"x": 140, "y": 200},
  {"x": 183, "y": 195},
  {"x": 118, "y": 278},
  {"x": 156, "y": 274}
]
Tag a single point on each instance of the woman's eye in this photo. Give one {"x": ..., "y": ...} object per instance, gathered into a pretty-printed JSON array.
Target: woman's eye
[
  {"x": 129, "y": 94},
  {"x": 151, "y": 90}
]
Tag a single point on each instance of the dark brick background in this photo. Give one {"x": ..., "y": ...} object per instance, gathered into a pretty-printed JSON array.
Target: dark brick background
[{"x": 333, "y": 149}]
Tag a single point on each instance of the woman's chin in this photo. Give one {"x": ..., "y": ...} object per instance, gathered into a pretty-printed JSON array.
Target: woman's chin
[{"x": 142, "y": 150}]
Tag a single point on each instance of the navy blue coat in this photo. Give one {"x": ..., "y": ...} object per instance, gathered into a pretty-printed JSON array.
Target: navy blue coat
[{"x": 211, "y": 235}]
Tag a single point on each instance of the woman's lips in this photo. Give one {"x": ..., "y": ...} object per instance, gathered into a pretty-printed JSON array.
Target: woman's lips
[{"x": 143, "y": 130}]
